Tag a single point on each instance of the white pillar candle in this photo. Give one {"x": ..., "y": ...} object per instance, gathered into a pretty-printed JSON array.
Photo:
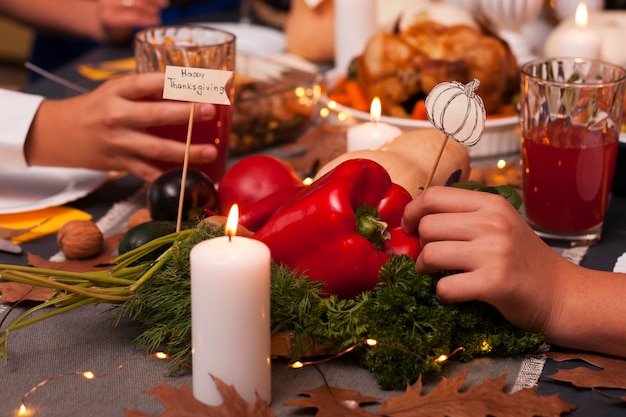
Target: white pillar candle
[
  {"x": 371, "y": 135},
  {"x": 230, "y": 317},
  {"x": 355, "y": 23},
  {"x": 577, "y": 41}
]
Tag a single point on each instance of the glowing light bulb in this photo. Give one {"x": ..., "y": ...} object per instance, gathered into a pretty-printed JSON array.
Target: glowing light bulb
[
  {"x": 23, "y": 411},
  {"x": 88, "y": 375},
  {"x": 442, "y": 358},
  {"x": 371, "y": 342},
  {"x": 297, "y": 365},
  {"x": 307, "y": 181},
  {"x": 161, "y": 355},
  {"x": 501, "y": 164}
]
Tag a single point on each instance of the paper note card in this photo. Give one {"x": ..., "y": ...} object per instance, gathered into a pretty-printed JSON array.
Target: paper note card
[{"x": 196, "y": 84}]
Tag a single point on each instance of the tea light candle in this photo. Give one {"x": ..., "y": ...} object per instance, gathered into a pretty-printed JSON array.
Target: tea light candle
[
  {"x": 230, "y": 316},
  {"x": 371, "y": 135},
  {"x": 576, "y": 41}
]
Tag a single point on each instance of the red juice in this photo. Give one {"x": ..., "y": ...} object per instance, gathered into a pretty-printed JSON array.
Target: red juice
[
  {"x": 215, "y": 131},
  {"x": 567, "y": 176}
]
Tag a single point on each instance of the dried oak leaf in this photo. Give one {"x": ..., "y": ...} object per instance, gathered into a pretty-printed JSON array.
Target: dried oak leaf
[
  {"x": 180, "y": 402},
  {"x": 11, "y": 292},
  {"x": 102, "y": 261},
  {"x": 610, "y": 371},
  {"x": 331, "y": 401},
  {"x": 485, "y": 399}
]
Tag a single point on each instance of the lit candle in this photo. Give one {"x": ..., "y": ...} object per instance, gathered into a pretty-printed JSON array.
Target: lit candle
[
  {"x": 355, "y": 23},
  {"x": 230, "y": 315},
  {"x": 371, "y": 135},
  {"x": 577, "y": 41}
]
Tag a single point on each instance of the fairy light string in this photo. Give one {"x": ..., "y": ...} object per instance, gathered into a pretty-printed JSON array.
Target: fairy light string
[
  {"x": 371, "y": 343},
  {"x": 24, "y": 411}
]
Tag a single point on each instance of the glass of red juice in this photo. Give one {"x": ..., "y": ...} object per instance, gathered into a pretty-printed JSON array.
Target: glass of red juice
[
  {"x": 571, "y": 111},
  {"x": 196, "y": 46}
]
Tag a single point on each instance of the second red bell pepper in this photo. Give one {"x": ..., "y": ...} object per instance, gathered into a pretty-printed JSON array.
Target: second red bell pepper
[{"x": 336, "y": 230}]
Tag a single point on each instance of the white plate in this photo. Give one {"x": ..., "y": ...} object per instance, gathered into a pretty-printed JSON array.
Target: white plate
[
  {"x": 500, "y": 137},
  {"x": 254, "y": 39},
  {"x": 38, "y": 187}
]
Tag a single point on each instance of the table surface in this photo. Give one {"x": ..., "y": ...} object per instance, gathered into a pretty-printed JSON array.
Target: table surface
[{"x": 79, "y": 340}]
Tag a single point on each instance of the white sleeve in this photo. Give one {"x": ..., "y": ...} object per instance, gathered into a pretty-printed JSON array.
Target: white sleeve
[{"x": 17, "y": 111}]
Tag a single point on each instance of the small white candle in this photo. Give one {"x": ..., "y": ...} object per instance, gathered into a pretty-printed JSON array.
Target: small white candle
[
  {"x": 230, "y": 316},
  {"x": 577, "y": 41},
  {"x": 355, "y": 23},
  {"x": 371, "y": 135}
]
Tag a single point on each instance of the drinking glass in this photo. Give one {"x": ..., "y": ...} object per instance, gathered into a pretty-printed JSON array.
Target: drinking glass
[
  {"x": 571, "y": 112},
  {"x": 191, "y": 46}
]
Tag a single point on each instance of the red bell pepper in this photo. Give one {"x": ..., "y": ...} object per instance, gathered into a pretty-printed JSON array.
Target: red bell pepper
[
  {"x": 335, "y": 230},
  {"x": 255, "y": 215}
]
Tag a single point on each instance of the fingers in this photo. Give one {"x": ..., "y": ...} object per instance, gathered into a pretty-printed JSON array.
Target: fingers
[
  {"x": 459, "y": 288},
  {"x": 137, "y": 9},
  {"x": 137, "y": 157},
  {"x": 139, "y": 102},
  {"x": 437, "y": 200},
  {"x": 119, "y": 18},
  {"x": 444, "y": 256},
  {"x": 167, "y": 113}
]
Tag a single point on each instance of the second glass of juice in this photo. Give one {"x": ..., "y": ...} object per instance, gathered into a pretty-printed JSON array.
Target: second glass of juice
[{"x": 571, "y": 111}]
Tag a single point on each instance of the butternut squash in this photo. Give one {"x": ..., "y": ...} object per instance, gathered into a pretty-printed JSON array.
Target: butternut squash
[{"x": 409, "y": 158}]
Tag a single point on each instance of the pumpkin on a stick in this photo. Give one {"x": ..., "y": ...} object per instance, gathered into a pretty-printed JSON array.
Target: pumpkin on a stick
[{"x": 456, "y": 110}]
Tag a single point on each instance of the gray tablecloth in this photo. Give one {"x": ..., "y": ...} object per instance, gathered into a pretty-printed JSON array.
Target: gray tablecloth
[{"x": 85, "y": 340}]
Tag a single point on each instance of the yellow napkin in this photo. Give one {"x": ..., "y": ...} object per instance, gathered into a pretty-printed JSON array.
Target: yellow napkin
[
  {"x": 108, "y": 69},
  {"x": 57, "y": 216}
]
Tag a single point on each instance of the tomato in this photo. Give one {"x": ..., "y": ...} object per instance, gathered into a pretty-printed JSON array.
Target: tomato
[
  {"x": 164, "y": 195},
  {"x": 252, "y": 179}
]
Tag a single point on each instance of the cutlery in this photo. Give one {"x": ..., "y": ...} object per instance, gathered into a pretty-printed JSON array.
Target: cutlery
[
  {"x": 10, "y": 247},
  {"x": 8, "y": 233},
  {"x": 55, "y": 78}
]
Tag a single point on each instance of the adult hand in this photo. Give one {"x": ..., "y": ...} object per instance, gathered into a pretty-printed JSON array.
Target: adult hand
[
  {"x": 502, "y": 261},
  {"x": 105, "y": 129},
  {"x": 120, "y": 18}
]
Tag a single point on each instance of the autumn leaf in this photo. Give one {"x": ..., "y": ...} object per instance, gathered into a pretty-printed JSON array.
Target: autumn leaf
[
  {"x": 610, "y": 372},
  {"x": 11, "y": 292},
  {"x": 331, "y": 401},
  {"x": 101, "y": 261},
  {"x": 181, "y": 402},
  {"x": 486, "y": 399}
]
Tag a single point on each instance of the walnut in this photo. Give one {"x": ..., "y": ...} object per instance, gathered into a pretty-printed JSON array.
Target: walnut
[{"x": 80, "y": 239}]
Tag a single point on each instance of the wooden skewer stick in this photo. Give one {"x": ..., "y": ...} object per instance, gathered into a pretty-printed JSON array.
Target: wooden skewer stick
[
  {"x": 432, "y": 172},
  {"x": 183, "y": 180}
]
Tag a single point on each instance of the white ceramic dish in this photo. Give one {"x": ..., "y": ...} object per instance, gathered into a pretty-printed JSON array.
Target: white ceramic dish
[
  {"x": 253, "y": 39},
  {"x": 39, "y": 187},
  {"x": 501, "y": 136}
]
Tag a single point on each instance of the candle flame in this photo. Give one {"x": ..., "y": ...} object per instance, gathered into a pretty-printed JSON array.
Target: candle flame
[
  {"x": 582, "y": 15},
  {"x": 232, "y": 221},
  {"x": 375, "y": 110}
]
